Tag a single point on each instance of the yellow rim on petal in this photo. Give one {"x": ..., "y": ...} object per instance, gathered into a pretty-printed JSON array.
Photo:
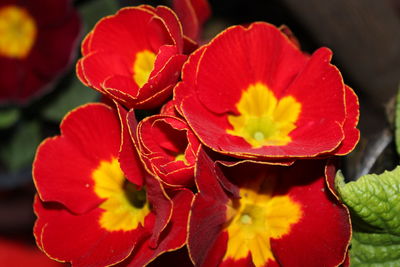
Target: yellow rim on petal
[{"x": 18, "y": 31}]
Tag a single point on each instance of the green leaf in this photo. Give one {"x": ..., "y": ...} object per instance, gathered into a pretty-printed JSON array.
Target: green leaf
[
  {"x": 93, "y": 11},
  {"x": 397, "y": 122},
  {"x": 374, "y": 204},
  {"x": 8, "y": 117},
  {"x": 74, "y": 95},
  {"x": 20, "y": 150}
]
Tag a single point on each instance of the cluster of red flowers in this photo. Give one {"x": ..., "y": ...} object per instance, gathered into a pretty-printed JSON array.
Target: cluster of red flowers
[{"x": 237, "y": 166}]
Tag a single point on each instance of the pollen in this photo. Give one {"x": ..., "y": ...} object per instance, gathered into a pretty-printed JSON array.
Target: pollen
[{"x": 18, "y": 32}]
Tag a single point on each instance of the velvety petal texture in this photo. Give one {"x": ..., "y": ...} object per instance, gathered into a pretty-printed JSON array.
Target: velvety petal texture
[
  {"x": 88, "y": 213},
  {"x": 265, "y": 215},
  {"x": 192, "y": 14},
  {"x": 134, "y": 56},
  {"x": 223, "y": 154},
  {"x": 270, "y": 102},
  {"x": 16, "y": 253},
  {"x": 35, "y": 46}
]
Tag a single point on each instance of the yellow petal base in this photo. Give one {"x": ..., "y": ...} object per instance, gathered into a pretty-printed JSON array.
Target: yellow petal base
[
  {"x": 264, "y": 120},
  {"x": 143, "y": 66},
  {"x": 125, "y": 207},
  {"x": 257, "y": 217}
]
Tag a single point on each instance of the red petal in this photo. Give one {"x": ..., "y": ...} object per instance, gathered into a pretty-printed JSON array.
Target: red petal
[
  {"x": 189, "y": 69},
  {"x": 188, "y": 17},
  {"x": 128, "y": 156},
  {"x": 324, "y": 229},
  {"x": 173, "y": 236},
  {"x": 172, "y": 24},
  {"x": 54, "y": 47},
  {"x": 161, "y": 206},
  {"x": 85, "y": 47},
  {"x": 208, "y": 215},
  {"x": 61, "y": 10},
  {"x": 98, "y": 66},
  {"x": 75, "y": 238},
  {"x": 15, "y": 253},
  {"x": 192, "y": 13},
  {"x": 64, "y": 164},
  {"x": 125, "y": 33},
  {"x": 352, "y": 134},
  {"x": 261, "y": 53}
]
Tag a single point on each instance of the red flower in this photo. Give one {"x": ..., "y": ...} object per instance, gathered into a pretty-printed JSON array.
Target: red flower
[
  {"x": 88, "y": 212},
  {"x": 168, "y": 148},
  {"x": 251, "y": 93},
  {"x": 260, "y": 215},
  {"x": 134, "y": 56},
  {"x": 16, "y": 254},
  {"x": 169, "y": 109},
  {"x": 193, "y": 14},
  {"x": 37, "y": 38}
]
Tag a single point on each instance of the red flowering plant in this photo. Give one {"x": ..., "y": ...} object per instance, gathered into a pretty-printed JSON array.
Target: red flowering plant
[
  {"x": 16, "y": 253},
  {"x": 224, "y": 155},
  {"x": 134, "y": 56},
  {"x": 193, "y": 14},
  {"x": 102, "y": 212},
  {"x": 35, "y": 46},
  {"x": 255, "y": 214},
  {"x": 168, "y": 148},
  {"x": 256, "y": 107}
]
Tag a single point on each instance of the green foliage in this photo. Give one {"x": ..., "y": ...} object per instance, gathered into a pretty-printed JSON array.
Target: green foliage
[
  {"x": 19, "y": 151},
  {"x": 8, "y": 117},
  {"x": 75, "y": 95},
  {"x": 374, "y": 203},
  {"x": 93, "y": 11}
]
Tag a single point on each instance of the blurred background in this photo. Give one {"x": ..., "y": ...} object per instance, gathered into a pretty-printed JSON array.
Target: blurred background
[{"x": 363, "y": 34}]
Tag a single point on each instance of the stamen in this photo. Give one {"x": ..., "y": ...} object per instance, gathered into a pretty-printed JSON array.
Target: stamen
[
  {"x": 259, "y": 136},
  {"x": 246, "y": 219}
]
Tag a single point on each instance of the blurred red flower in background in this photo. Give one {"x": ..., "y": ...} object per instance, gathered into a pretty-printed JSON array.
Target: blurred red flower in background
[{"x": 37, "y": 40}]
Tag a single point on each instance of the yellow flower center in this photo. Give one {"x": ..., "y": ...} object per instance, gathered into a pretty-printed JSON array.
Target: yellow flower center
[
  {"x": 264, "y": 120},
  {"x": 18, "y": 32},
  {"x": 257, "y": 217},
  {"x": 143, "y": 66},
  {"x": 124, "y": 206},
  {"x": 181, "y": 157}
]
